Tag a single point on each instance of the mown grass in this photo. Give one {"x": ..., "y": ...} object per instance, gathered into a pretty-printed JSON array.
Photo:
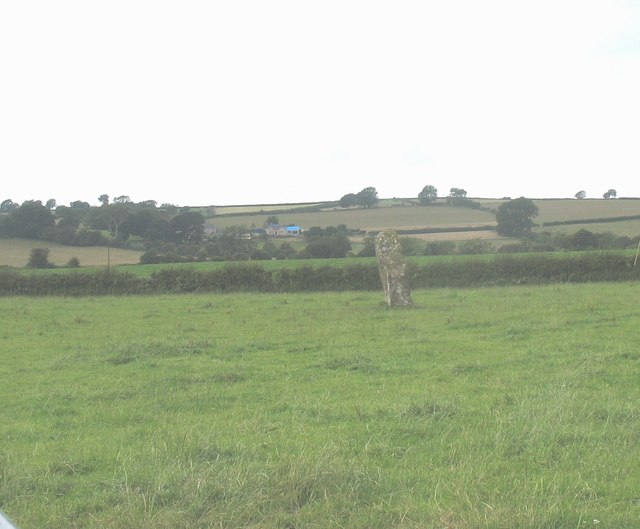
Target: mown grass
[{"x": 478, "y": 408}]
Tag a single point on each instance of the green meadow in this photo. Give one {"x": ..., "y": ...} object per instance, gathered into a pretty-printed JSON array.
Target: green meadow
[{"x": 515, "y": 407}]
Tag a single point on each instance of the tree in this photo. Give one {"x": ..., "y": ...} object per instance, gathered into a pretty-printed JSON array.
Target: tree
[
  {"x": 427, "y": 195},
  {"x": 148, "y": 204},
  {"x": 456, "y": 192},
  {"x": 30, "y": 220},
  {"x": 110, "y": 217},
  {"x": 368, "y": 197},
  {"x": 39, "y": 258},
  {"x": 515, "y": 217},
  {"x": 141, "y": 222},
  {"x": 104, "y": 200},
  {"x": 51, "y": 204},
  {"x": 612, "y": 193},
  {"x": 581, "y": 195},
  {"x": 188, "y": 227},
  {"x": 348, "y": 200},
  {"x": 8, "y": 205},
  {"x": 270, "y": 248},
  {"x": 68, "y": 218},
  {"x": 458, "y": 197},
  {"x": 286, "y": 251},
  {"x": 369, "y": 248},
  {"x": 272, "y": 220},
  {"x": 328, "y": 246}
]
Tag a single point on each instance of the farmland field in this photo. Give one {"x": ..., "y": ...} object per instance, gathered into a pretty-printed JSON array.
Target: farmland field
[
  {"x": 550, "y": 210},
  {"x": 630, "y": 228},
  {"x": 478, "y": 408},
  {"x": 371, "y": 219},
  {"x": 15, "y": 252},
  {"x": 404, "y": 216},
  {"x": 563, "y": 210}
]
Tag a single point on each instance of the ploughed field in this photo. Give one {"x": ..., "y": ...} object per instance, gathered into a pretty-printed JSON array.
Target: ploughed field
[{"x": 478, "y": 408}]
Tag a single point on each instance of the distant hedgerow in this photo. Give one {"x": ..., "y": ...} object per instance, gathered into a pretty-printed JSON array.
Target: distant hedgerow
[{"x": 502, "y": 269}]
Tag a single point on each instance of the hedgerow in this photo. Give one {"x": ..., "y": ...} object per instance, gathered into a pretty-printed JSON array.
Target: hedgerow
[{"x": 504, "y": 269}]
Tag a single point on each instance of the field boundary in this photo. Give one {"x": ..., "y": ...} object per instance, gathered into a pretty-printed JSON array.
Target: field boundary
[{"x": 522, "y": 269}]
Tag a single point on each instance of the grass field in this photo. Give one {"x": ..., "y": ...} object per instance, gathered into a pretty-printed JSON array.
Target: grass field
[
  {"x": 15, "y": 252},
  {"x": 479, "y": 408}
]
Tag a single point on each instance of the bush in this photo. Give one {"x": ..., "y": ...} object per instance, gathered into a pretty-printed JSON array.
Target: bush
[
  {"x": 439, "y": 248},
  {"x": 39, "y": 258},
  {"x": 474, "y": 246},
  {"x": 328, "y": 246}
]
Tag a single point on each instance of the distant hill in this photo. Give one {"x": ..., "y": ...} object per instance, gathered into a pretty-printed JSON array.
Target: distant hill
[
  {"x": 406, "y": 213},
  {"x": 433, "y": 222}
]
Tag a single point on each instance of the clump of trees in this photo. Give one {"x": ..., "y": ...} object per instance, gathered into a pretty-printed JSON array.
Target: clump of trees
[
  {"x": 366, "y": 198},
  {"x": 325, "y": 243},
  {"x": 457, "y": 197},
  {"x": 111, "y": 223}
]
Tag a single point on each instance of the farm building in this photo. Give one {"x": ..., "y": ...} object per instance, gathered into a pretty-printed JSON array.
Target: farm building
[{"x": 278, "y": 230}]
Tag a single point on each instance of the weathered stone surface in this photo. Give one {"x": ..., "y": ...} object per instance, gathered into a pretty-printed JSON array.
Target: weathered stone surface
[{"x": 393, "y": 269}]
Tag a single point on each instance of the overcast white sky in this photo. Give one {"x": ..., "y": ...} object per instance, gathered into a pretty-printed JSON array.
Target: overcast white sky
[{"x": 253, "y": 101}]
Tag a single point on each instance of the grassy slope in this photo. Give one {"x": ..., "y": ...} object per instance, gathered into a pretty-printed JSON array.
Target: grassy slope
[{"x": 492, "y": 408}]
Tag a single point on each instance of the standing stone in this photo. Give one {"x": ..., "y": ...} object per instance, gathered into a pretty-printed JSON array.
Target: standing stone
[{"x": 393, "y": 269}]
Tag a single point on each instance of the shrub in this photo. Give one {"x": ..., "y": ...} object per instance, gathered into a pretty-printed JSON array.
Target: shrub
[
  {"x": 439, "y": 248},
  {"x": 474, "y": 246},
  {"x": 39, "y": 258}
]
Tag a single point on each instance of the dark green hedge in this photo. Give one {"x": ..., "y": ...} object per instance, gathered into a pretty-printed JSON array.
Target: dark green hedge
[
  {"x": 590, "y": 221},
  {"x": 526, "y": 269},
  {"x": 239, "y": 277}
]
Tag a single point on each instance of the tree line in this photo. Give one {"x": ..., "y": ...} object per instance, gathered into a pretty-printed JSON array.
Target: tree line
[
  {"x": 368, "y": 197},
  {"x": 165, "y": 233},
  {"x": 171, "y": 234},
  {"x": 111, "y": 223}
]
